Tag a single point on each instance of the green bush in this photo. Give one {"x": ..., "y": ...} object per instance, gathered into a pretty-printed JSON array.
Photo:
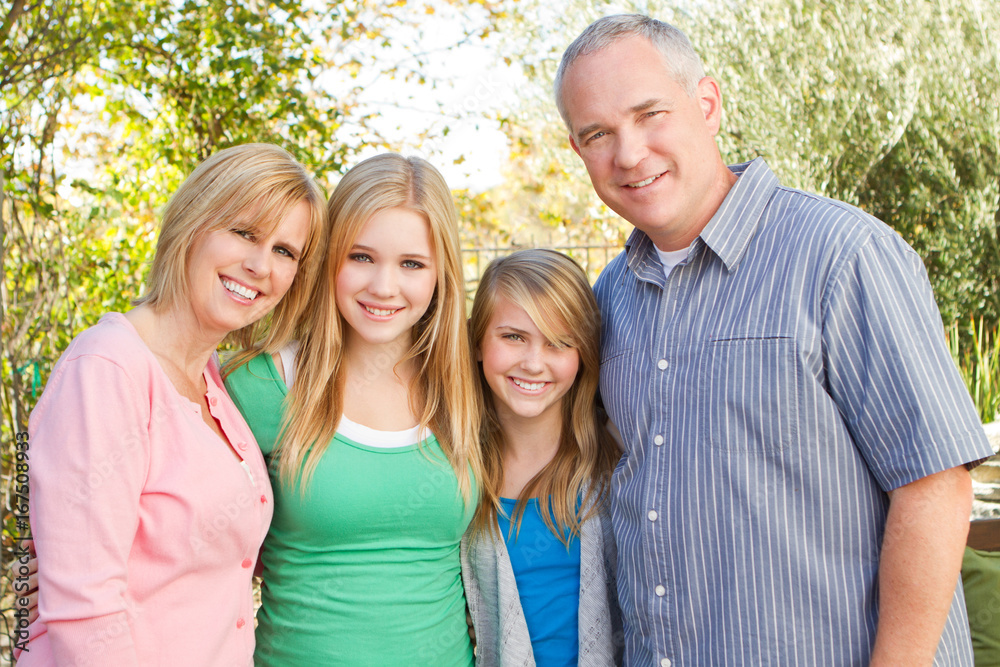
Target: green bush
[{"x": 978, "y": 361}]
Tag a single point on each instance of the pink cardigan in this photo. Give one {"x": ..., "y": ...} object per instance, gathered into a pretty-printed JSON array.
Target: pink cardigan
[{"x": 146, "y": 524}]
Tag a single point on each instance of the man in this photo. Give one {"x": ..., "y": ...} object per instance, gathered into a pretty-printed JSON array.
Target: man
[{"x": 794, "y": 489}]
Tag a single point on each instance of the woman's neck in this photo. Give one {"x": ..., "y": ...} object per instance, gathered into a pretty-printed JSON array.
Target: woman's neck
[
  {"x": 528, "y": 446},
  {"x": 377, "y": 386},
  {"x": 174, "y": 340}
]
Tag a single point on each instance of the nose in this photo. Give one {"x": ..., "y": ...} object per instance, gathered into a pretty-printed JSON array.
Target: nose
[
  {"x": 532, "y": 361},
  {"x": 258, "y": 262},
  {"x": 630, "y": 149},
  {"x": 384, "y": 283}
]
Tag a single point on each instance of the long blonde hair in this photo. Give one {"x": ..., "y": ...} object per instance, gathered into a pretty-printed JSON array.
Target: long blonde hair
[
  {"x": 554, "y": 292},
  {"x": 442, "y": 392}
]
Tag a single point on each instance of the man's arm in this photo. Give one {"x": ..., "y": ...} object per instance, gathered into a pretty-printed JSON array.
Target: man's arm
[{"x": 919, "y": 566}]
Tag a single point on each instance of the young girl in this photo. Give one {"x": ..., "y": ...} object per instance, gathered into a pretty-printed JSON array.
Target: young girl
[
  {"x": 369, "y": 426},
  {"x": 538, "y": 563}
]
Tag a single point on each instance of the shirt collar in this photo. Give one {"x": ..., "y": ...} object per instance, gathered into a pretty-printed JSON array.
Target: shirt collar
[{"x": 729, "y": 231}]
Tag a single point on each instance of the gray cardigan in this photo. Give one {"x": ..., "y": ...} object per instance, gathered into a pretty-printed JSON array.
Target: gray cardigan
[{"x": 501, "y": 631}]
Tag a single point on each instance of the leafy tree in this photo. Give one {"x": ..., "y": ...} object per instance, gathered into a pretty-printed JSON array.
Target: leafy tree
[
  {"x": 106, "y": 105},
  {"x": 891, "y": 105}
]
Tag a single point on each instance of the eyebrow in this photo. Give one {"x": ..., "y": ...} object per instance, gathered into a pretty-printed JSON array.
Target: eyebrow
[
  {"x": 638, "y": 108},
  {"x": 408, "y": 255},
  {"x": 511, "y": 329}
]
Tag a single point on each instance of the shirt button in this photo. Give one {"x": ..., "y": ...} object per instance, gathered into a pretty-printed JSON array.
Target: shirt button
[
  {"x": 658, "y": 440},
  {"x": 213, "y": 401},
  {"x": 660, "y": 591},
  {"x": 242, "y": 445},
  {"x": 665, "y": 662},
  {"x": 652, "y": 515},
  {"x": 240, "y": 623},
  {"x": 662, "y": 364},
  {"x": 246, "y": 563}
]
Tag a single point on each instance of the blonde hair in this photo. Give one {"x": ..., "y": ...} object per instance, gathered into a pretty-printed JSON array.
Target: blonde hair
[
  {"x": 253, "y": 187},
  {"x": 442, "y": 392},
  {"x": 554, "y": 292}
]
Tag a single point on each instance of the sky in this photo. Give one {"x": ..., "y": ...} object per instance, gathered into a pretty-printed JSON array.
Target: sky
[{"x": 468, "y": 85}]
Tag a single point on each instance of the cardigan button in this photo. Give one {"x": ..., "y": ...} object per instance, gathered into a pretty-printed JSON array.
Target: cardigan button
[
  {"x": 246, "y": 563},
  {"x": 240, "y": 623}
]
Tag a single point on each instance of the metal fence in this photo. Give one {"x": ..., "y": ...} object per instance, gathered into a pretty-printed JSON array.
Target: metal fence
[{"x": 593, "y": 258}]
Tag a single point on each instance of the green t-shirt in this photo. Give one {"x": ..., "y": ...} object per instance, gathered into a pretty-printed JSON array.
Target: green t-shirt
[{"x": 364, "y": 569}]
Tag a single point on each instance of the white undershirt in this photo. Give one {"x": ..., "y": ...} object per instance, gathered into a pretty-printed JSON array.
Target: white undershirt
[
  {"x": 373, "y": 438},
  {"x": 671, "y": 258},
  {"x": 288, "y": 354},
  {"x": 350, "y": 429}
]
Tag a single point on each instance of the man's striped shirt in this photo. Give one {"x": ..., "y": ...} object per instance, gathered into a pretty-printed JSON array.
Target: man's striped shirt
[{"x": 770, "y": 392}]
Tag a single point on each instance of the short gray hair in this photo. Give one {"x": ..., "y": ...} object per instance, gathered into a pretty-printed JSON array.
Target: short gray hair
[{"x": 678, "y": 54}]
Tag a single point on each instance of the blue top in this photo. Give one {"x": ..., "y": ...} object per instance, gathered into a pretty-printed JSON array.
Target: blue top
[
  {"x": 548, "y": 583},
  {"x": 787, "y": 374}
]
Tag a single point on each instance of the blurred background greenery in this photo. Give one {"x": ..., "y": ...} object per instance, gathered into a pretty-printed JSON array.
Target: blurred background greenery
[{"x": 105, "y": 106}]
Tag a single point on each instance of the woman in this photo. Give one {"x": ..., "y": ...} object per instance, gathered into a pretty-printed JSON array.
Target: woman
[
  {"x": 149, "y": 497},
  {"x": 539, "y": 560},
  {"x": 370, "y": 429}
]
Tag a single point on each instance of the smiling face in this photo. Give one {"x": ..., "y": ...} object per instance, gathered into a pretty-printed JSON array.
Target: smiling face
[
  {"x": 388, "y": 279},
  {"x": 648, "y": 146},
  {"x": 238, "y": 275},
  {"x": 527, "y": 374}
]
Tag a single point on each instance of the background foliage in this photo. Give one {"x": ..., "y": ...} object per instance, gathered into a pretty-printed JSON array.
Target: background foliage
[{"x": 105, "y": 105}]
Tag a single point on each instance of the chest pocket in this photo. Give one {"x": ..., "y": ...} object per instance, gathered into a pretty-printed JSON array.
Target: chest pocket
[{"x": 748, "y": 394}]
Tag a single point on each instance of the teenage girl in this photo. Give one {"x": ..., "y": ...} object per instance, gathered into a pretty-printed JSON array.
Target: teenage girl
[
  {"x": 539, "y": 560},
  {"x": 369, "y": 427}
]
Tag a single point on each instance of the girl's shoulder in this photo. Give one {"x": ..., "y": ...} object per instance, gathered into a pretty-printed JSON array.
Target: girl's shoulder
[{"x": 256, "y": 381}]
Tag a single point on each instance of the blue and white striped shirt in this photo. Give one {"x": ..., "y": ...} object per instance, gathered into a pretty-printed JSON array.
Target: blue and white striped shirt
[{"x": 788, "y": 373}]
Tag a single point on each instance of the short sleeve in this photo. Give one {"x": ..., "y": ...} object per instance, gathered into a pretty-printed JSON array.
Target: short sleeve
[{"x": 889, "y": 370}]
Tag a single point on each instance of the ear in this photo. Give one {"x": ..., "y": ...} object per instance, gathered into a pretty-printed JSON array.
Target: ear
[
  {"x": 572, "y": 142},
  {"x": 710, "y": 100},
  {"x": 479, "y": 353}
]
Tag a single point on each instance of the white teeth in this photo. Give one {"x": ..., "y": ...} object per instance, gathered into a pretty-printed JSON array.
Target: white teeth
[
  {"x": 530, "y": 386},
  {"x": 645, "y": 182},
  {"x": 380, "y": 312},
  {"x": 240, "y": 290}
]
